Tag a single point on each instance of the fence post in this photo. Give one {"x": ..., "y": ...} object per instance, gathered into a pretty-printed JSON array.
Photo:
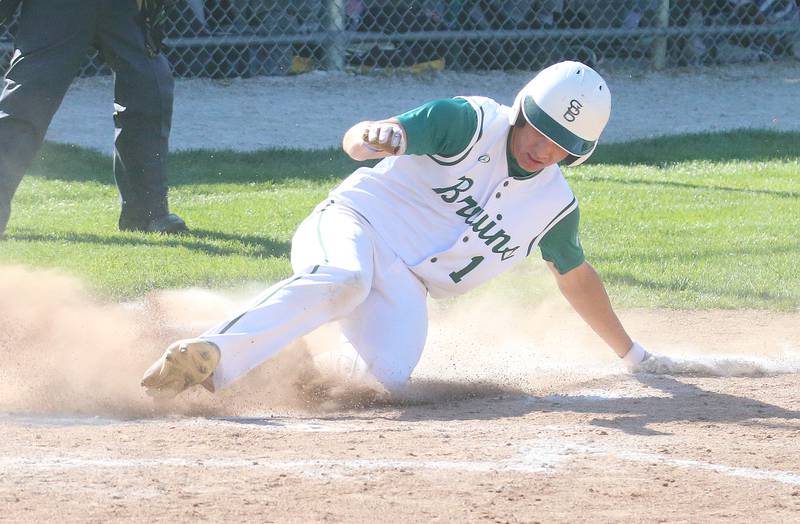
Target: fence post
[
  {"x": 660, "y": 43},
  {"x": 335, "y": 40}
]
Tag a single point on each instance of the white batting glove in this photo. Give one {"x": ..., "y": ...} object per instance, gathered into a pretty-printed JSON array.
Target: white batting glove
[
  {"x": 635, "y": 359},
  {"x": 384, "y": 137}
]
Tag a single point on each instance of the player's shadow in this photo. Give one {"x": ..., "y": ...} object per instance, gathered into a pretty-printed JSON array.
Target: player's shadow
[{"x": 677, "y": 401}]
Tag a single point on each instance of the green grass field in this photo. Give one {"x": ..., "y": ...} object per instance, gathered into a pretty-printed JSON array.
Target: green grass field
[{"x": 701, "y": 221}]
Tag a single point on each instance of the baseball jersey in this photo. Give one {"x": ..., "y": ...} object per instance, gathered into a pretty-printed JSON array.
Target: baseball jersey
[{"x": 464, "y": 213}]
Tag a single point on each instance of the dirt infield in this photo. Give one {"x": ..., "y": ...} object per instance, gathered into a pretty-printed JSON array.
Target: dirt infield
[
  {"x": 655, "y": 449},
  {"x": 519, "y": 425}
]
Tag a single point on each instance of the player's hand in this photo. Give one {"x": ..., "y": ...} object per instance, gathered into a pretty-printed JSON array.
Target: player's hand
[
  {"x": 385, "y": 137},
  {"x": 639, "y": 360},
  {"x": 636, "y": 359}
]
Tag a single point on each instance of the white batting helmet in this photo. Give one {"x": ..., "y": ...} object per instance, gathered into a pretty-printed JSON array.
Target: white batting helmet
[{"x": 569, "y": 103}]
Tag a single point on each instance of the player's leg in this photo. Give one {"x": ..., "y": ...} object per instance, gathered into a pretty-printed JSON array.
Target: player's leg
[
  {"x": 388, "y": 330},
  {"x": 50, "y": 45},
  {"x": 143, "y": 97},
  {"x": 332, "y": 258}
]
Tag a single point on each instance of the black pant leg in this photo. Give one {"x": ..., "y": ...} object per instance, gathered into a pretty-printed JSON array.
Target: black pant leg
[
  {"x": 143, "y": 93},
  {"x": 50, "y": 45}
]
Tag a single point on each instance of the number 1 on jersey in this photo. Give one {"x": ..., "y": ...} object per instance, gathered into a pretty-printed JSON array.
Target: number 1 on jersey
[{"x": 458, "y": 275}]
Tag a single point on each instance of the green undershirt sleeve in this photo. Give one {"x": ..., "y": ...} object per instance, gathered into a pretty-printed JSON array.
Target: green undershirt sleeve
[
  {"x": 561, "y": 244},
  {"x": 440, "y": 127}
]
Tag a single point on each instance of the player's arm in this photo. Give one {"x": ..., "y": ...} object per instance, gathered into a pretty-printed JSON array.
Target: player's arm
[
  {"x": 442, "y": 127},
  {"x": 372, "y": 140},
  {"x": 584, "y": 290}
]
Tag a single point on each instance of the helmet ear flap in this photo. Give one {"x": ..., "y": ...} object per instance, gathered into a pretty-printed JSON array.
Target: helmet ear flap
[{"x": 572, "y": 160}]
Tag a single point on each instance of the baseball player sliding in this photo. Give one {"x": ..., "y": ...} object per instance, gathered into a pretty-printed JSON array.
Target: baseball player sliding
[{"x": 467, "y": 188}]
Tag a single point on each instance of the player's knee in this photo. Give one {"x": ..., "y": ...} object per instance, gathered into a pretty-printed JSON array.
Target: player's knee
[{"x": 350, "y": 288}]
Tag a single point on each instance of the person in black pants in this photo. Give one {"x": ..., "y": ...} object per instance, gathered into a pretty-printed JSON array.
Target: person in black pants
[{"x": 51, "y": 43}]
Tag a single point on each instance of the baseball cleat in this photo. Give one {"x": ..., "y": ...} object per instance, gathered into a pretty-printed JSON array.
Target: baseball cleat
[{"x": 184, "y": 364}]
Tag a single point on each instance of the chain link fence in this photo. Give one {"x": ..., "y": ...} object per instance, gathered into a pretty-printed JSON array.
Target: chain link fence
[{"x": 242, "y": 38}]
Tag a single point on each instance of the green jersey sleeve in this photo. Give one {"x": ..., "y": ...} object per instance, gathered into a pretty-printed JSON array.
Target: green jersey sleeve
[
  {"x": 440, "y": 127},
  {"x": 561, "y": 244}
]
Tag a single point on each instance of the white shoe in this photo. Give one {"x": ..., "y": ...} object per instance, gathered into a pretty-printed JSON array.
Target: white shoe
[{"x": 184, "y": 364}]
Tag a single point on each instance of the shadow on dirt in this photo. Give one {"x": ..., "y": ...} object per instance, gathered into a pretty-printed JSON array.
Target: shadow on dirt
[
  {"x": 685, "y": 402},
  {"x": 678, "y": 400}
]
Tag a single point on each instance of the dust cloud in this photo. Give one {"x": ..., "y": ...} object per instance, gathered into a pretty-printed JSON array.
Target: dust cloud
[{"x": 62, "y": 350}]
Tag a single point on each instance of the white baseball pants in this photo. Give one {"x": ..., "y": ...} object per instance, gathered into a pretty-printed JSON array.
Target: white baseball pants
[{"x": 342, "y": 271}]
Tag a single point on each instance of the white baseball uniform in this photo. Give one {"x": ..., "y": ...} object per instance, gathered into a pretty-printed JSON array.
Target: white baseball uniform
[{"x": 389, "y": 235}]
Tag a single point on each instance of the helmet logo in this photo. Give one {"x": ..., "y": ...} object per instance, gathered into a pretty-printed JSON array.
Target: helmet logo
[
  {"x": 573, "y": 110},
  {"x": 484, "y": 159}
]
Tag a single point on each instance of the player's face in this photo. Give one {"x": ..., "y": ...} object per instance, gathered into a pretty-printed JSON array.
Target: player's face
[{"x": 532, "y": 150}]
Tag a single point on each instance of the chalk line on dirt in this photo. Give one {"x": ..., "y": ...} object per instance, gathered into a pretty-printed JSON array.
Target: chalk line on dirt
[{"x": 535, "y": 457}]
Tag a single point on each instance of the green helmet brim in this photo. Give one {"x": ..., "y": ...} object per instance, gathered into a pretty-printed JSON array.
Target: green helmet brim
[{"x": 563, "y": 137}]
